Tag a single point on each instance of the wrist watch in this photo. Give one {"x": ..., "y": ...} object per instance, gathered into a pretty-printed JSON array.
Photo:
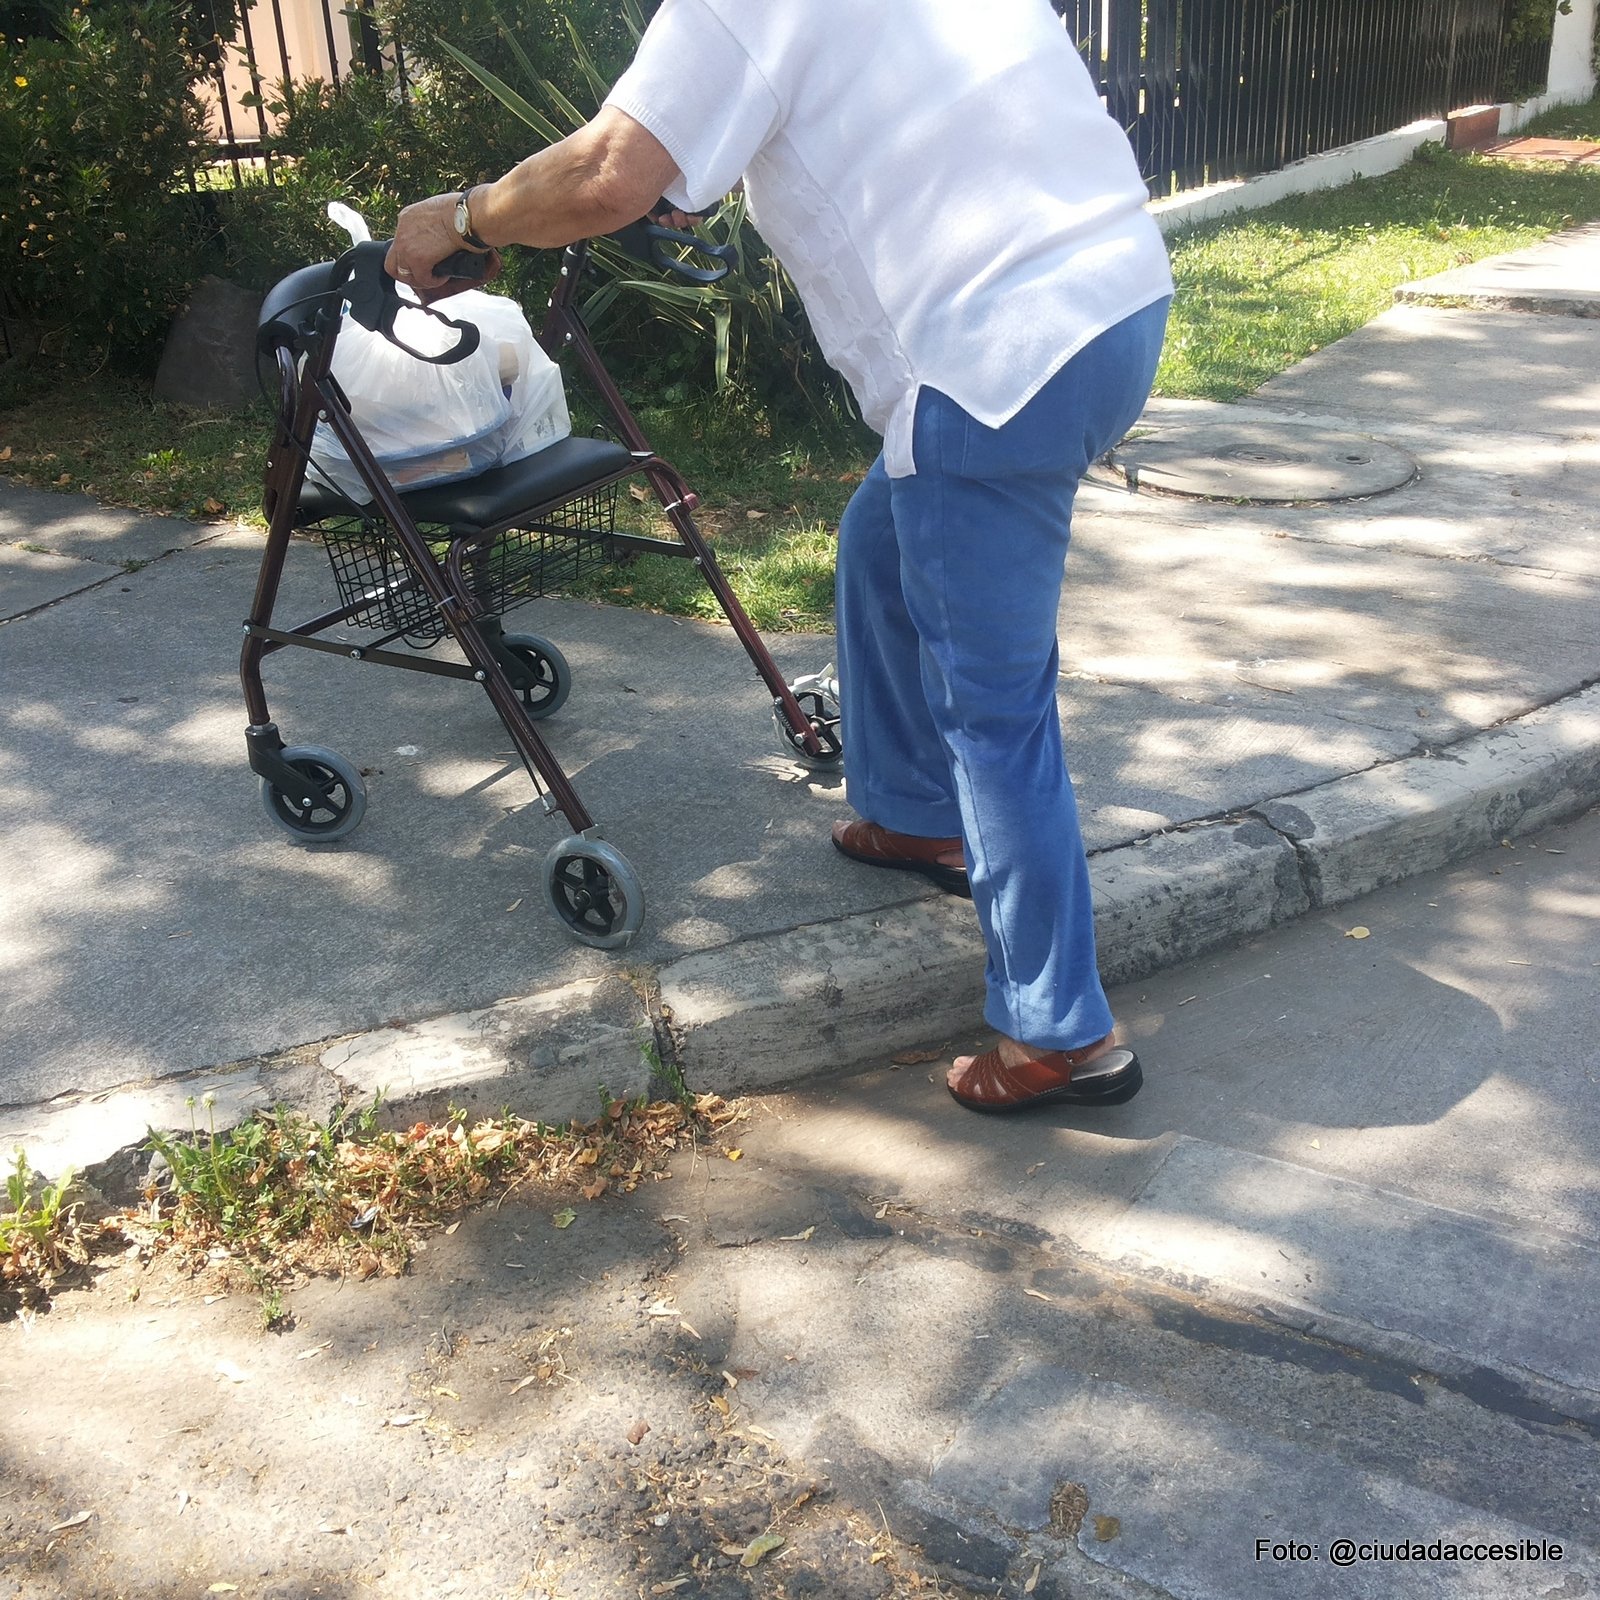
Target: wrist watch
[{"x": 464, "y": 222}]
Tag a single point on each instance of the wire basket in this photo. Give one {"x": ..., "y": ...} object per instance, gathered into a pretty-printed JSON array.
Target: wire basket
[{"x": 373, "y": 572}]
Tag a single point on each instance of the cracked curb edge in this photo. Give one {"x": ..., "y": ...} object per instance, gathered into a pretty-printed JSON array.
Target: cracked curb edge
[{"x": 782, "y": 1007}]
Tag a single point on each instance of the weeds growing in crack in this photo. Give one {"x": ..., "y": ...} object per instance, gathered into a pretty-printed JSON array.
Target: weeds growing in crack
[{"x": 283, "y": 1193}]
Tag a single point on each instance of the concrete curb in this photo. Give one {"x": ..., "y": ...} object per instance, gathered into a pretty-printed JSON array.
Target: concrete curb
[
  {"x": 777, "y": 1009},
  {"x": 1445, "y": 298}
]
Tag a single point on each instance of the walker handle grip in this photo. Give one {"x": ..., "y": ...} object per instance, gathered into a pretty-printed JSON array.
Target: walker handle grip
[{"x": 375, "y": 302}]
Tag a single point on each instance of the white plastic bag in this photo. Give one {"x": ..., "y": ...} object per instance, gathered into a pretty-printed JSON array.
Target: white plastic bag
[{"x": 435, "y": 424}]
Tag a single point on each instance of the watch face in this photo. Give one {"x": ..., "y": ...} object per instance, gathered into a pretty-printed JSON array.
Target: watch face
[{"x": 463, "y": 217}]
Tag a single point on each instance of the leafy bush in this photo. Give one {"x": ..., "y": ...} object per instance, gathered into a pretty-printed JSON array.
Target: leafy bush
[
  {"x": 747, "y": 333},
  {"x": 482, "y": 140},
  {"x": 98, "y": 129},
  {"x": 1526, "y": 44}
]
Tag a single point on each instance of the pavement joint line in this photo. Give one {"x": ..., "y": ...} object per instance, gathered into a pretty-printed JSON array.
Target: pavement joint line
[
  {"x": 61, "y": 599},
  {"x": 111, "y": 577}
]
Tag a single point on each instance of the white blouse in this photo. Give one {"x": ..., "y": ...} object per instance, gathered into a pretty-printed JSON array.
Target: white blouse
[{"x": 939, "y": 178}]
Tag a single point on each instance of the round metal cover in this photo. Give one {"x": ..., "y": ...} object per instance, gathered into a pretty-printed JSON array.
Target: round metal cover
[{"x": 1265, "y": 461}]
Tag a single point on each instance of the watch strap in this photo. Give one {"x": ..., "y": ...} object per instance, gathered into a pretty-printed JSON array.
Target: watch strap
[{"x": 464, "y": 215}]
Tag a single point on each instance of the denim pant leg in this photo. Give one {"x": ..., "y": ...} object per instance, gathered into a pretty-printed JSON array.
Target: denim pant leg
[
  {"x": 982, "y": 529},
  {"x": 897, "y": 773}
]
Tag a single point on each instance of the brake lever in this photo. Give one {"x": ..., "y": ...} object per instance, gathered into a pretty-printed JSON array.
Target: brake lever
[
  {"x": 650, "y": 242},
  {"x": 375, "y": 302}
]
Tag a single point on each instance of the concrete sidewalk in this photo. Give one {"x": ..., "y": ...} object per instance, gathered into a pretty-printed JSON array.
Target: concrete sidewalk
[{"x": 1270, "y": 708}]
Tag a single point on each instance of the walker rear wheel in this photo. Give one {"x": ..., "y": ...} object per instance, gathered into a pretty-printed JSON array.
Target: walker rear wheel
[
  {"x": 594, "y": 890},
  {"x": 316, "y": 817},
  {"x": 818, "y": 697},
  {"x": 548, "y": 679}
]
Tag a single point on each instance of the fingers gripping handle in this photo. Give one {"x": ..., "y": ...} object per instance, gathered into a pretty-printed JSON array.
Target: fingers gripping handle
[{"x": 375, "y": 302}]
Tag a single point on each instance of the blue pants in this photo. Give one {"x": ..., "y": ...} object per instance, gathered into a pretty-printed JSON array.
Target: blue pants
[{"x": 948, "y": 589}]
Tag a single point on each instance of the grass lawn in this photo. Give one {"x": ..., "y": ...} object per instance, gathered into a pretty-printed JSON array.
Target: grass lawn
[
  {"x": 1260, "y": 291},
  {"x": 1256, "y": 293},
  {"x": 1567, "y": 122}
]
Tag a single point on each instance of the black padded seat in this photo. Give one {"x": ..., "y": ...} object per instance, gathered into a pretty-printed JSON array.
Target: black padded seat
[{"x": 495, "y": 497}]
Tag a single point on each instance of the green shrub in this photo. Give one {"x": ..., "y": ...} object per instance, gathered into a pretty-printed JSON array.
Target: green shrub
[
  {"x": 747, "y": 334},
  {"x": 98, "y": 129},
  {"x": 470, "y": 126},
  {"x": 1528, "y": 28}
]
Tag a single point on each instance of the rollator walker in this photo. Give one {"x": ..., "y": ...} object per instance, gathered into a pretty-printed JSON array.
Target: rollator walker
[{"x": 449, "y": 561}]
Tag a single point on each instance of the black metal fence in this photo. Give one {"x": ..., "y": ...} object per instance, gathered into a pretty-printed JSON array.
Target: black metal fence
[
  {"x": 259, "y": 50},
  {"x": 1207, "y": 89},
  {"x": 1216, "y": 89}
]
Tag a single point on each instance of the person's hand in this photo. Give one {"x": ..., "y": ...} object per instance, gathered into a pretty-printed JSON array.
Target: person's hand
[
  {"x": 424, "y": 236},
  {"x": 683, "y": 221}
]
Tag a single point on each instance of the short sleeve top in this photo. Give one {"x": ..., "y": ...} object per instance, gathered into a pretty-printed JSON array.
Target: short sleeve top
[{"x": 938, "y": 177}]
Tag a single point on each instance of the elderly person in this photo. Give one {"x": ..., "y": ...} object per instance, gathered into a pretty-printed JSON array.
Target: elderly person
[{"x": 966, "y": 227}]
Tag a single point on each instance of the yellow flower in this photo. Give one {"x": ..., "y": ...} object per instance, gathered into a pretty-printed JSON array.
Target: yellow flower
[{"x": 22, "y": 83}]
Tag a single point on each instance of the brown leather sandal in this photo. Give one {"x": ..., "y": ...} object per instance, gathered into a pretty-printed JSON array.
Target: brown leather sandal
[
  {"x": 940, "y": 860},
  {"x": 1100, "y": 1074}
]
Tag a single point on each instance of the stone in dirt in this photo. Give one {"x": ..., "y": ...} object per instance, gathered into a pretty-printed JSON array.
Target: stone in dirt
[{"x": 210, "y": 357}]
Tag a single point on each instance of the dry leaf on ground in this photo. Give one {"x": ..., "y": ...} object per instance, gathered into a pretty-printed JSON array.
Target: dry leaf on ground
[{"x": 762, "y": 1545}]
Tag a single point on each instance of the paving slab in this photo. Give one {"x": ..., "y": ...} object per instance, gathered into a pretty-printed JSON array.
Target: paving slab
[
  {"x": 1339, "y": 1253},
  {"x": 76, "y": 525},
  {"x": 1571, "y": 151},
  {"x": 178, "y": 928},
  {"x": 1455, "y": 371},
  {"x": 1442, "y": 1065},
  {"x": 159, "y": 903},
  {"x": 35, "y": 577},
  {"x": 1510, "y": 499},
  {"x": 1560, "y": 276},
  {"x": 1199, "y": 1507},
  {"x": 1388, "y": 644}
]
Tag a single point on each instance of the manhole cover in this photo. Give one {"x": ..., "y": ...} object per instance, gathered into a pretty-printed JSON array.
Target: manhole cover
[{"x": 1271, "y": 462}]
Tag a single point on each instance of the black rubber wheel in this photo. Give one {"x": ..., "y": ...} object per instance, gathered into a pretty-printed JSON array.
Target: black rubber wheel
[
  {"x": 818, "y": 698},
  {"x": 309, "y": 817},
  {"x": 550, "y": 678},
  {"x": 594, "y": 890}
]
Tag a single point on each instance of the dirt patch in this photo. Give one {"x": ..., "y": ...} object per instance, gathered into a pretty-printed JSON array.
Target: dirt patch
[{"x": 525, "y": 1412}]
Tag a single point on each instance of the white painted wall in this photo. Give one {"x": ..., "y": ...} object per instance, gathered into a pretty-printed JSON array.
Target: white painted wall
[
  {"x": 1369, "y": 158},
  {"x": 1572, "y": 53},
  {"x": 1572, "y": 77}
]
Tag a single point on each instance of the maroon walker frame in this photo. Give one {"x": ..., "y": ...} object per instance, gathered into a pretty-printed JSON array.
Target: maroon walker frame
[{"x": 315, "y": 794}]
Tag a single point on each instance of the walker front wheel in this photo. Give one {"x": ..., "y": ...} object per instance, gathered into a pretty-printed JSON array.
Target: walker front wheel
[
  {"x": 818, "y": 697},
  {"x": 546, "y": 679},
  {"x": 592, "y": 887},
  {"x": 329, "y": 807}
]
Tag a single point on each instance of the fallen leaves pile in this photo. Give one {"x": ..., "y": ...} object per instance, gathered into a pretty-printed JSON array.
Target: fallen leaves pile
[{"x": 300, "y": 1201}]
